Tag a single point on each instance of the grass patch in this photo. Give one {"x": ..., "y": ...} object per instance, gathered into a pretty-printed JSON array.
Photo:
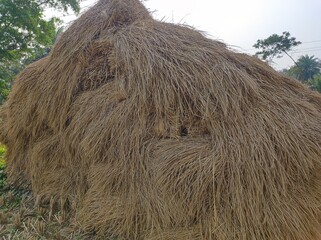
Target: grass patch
[
  {"x": 2, "y": 153},
  {"x": 2, "y": 168}
]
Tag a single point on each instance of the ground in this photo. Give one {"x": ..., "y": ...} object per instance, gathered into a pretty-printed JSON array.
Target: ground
[{"x": 23, "y": 217}]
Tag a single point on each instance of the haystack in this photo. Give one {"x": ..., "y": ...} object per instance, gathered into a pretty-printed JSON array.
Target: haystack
[{"x": 150, "y": 130}]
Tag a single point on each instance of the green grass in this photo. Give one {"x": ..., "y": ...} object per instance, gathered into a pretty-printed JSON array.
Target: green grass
[
  {"x": 2, "y": 153},
  {"x": 2, "y": 168}
]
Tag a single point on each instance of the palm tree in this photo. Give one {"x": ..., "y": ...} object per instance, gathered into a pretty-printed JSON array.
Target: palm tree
[{"x": 306, "y": 68}]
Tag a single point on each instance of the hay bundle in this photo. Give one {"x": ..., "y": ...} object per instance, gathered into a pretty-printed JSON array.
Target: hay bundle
[{"x": 152, "y": 131}]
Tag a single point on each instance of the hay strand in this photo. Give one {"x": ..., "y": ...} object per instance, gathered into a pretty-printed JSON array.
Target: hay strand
[{"x": 150, "y": 130}]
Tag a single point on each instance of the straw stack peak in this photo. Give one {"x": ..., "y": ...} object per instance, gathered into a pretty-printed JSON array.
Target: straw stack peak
[
  {"x": 106, "y": 16},
  {"x": 122, "y": 11}
]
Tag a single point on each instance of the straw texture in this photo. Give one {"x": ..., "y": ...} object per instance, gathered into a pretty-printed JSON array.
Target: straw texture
[{"x": 150, "y": 130}]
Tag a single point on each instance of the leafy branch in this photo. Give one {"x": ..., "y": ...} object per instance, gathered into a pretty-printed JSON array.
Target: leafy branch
[{"x": 275, "y": 46}]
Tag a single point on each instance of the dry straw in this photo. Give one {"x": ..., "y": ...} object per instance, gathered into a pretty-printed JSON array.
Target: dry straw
[{"x": 149, "y": 130}]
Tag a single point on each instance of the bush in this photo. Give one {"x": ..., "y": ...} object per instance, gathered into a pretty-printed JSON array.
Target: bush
[
  {"x": 2, "y": 167},
  {"x": 316, "y": 82},
  {"x": 2, "y": 152}
]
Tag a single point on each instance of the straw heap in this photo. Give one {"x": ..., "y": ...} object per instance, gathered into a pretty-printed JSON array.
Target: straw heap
[{"x": 149, "y": 130}]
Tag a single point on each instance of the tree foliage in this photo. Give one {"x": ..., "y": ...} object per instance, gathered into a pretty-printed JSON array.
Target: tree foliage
[
  {"x": 25, "y": 34},
  {"x": 23, "y": 27},
  {"x": 306, "y": 68},
  {"x": 275, "y": 46},
  {"x": 316, "y": 82},
  {"x": 8, "y": 69}
]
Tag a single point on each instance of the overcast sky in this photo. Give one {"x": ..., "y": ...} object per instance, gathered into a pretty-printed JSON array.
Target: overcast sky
[{"x": 239, "y": 23}]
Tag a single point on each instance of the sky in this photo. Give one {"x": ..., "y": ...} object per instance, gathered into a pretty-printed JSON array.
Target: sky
[{"x": 240, "y": 23}]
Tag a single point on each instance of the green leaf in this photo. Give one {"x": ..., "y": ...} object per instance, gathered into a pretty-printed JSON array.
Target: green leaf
[
  {"x": 26, "y": 35},
  {"x": 275, "y": 46}
]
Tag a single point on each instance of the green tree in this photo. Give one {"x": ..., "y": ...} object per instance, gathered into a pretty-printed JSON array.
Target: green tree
[
  {"x": 25, "y": 34},
  {"x": 316, "y": 82},
  {"x": 8, "y": 69},
  {"x": 306, "y": 68},
  {"x": 275, "y": 46},
  {"x": 23, "y": 27}
]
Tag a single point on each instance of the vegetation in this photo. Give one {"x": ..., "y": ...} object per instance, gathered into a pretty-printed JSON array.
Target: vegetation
[
  {"x": 21, "y": 218},
  {"x": 306, "y": 68},
  {"x": 26, "y": 35},
  {"x": 2, "y": 167},
  {"x": 275, "y": 46},
  {"x": 315, "y": 82}
]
